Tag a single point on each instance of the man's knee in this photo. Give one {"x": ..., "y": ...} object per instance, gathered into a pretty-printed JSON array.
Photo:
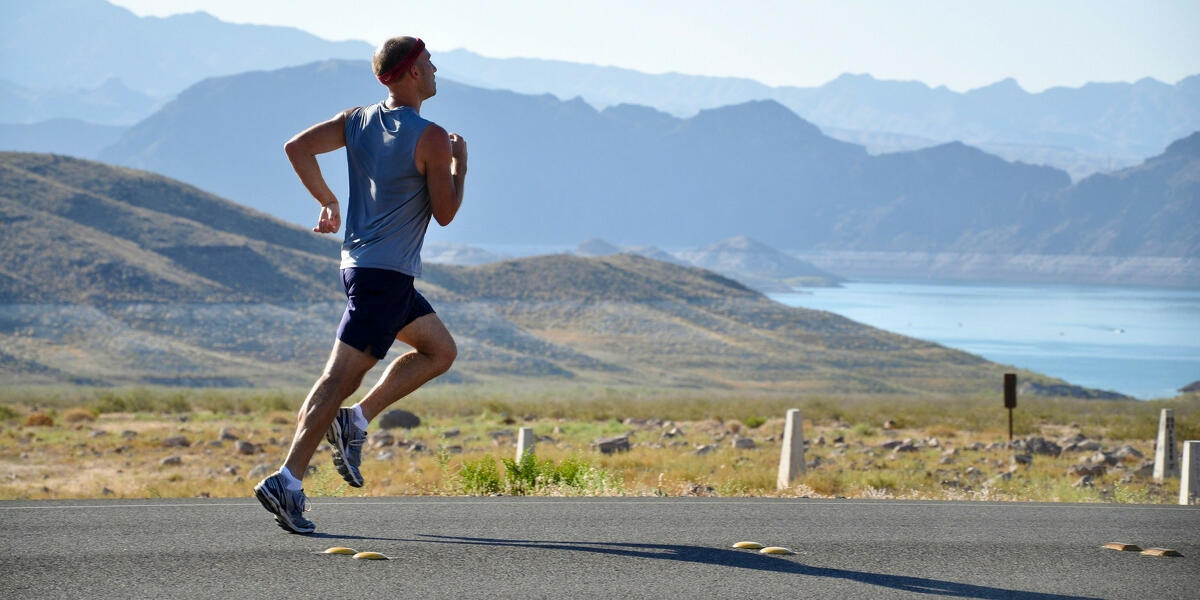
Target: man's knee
[{"x": 443, "y": 353}]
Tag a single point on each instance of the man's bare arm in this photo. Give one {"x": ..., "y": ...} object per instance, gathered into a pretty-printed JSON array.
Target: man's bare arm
[
  {"x": 442, "y": 158},
  {"x": 302, "y": 150}
]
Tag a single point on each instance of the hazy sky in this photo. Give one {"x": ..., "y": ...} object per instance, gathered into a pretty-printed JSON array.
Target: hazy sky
[{"x": 961, "y": 44}]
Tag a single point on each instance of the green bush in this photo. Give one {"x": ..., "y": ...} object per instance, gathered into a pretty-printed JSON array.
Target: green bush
[
  {"x": 7, "y": 412},
  {"x": 862, "y": 430},
  {"x": 754, "y": 422},
  {"x": 479, "y": 477}
]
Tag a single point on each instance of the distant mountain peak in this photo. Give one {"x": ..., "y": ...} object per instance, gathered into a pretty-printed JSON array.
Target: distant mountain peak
[
  {"x": 1188, "y": 146},
  {"x": 1008, "y": 85}
]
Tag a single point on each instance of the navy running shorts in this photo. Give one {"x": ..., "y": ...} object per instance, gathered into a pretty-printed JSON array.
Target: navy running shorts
[{"x": 379, "y": 303}]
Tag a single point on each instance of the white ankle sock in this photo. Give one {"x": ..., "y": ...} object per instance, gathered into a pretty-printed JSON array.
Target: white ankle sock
[
  {"x": 292, "y": 483},
  {"x": 360, "y": 421}
]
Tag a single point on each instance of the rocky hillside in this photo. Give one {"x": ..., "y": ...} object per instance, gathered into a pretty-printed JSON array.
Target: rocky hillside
[{"x": 112, "y": 276}]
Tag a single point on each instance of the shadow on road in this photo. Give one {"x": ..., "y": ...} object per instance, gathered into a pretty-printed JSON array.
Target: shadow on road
[{"x": 752, "y": 560}]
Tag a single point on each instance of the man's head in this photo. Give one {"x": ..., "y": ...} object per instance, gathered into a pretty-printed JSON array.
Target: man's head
[{"x": 403, "y": 61}]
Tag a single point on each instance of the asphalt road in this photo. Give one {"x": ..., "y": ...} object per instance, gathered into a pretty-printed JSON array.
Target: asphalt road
[{"x": 595, "y": 548}]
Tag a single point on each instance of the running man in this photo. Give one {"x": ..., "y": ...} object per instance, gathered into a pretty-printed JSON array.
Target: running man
[{"x": 403, "y": 170}]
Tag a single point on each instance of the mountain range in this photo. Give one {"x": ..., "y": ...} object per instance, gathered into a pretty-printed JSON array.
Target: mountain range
[
  {"x": 558, "y": 172},
  {"x": 111, "y": 53},
  {"x": 115, "y": 276}
]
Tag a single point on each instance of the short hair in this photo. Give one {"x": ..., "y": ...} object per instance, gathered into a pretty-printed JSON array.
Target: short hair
[{"x": 391, "y": 52}]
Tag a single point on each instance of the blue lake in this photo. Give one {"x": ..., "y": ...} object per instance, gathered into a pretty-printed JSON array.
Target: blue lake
[{"x": 1143, "y": 342}]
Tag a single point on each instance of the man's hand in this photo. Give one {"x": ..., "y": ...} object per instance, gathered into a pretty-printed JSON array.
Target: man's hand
[
  {"x": 330, "y": 220},
  {"x": 458, "y": 149}
]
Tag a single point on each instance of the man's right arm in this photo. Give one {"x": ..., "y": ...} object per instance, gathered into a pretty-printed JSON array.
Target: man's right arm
[{"x": 303, "y": 149}]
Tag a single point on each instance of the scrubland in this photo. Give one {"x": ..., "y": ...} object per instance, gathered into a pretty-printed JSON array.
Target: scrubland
[{"x": 77, "y": 442}]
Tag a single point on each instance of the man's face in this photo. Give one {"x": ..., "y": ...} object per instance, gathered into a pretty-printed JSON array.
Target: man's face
[{"x": 428, "y": 81}]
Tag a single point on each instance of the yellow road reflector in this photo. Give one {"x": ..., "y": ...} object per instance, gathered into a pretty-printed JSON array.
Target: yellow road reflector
[
  {"x": 339, "y": 550},
  {"x": 776, "y": 550},
  {"x": 370, "y": 556},
  {"x": 1160, "y": 552},
  {"x": 1122, "y": 547},
  {"x": 748, "y": 545}
]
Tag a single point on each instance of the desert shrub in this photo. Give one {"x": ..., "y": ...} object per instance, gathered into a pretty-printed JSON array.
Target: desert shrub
[
  {"x": 176, "y": 404},
  {"x": 862, "y": 429},
  {"x": 479, "y": 477},
  {"x": 825, "y": 484},
  {"x": 754, "y": 422},
  {"x": 881, "y": 481},
  {"x": 39, "y": 420},
  {"x": 78, "y": 415},
  {"x": 7, "y": 412}
]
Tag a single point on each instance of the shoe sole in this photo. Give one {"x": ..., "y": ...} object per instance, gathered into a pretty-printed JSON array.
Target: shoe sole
[
  {"x": 273, "y": 507},
  {"x": 334, "y": 437}
]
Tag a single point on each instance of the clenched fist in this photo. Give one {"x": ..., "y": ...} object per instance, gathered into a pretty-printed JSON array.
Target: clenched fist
[
  {"x": 330, "y": 220},
  {"x": 458, "y": 148}
]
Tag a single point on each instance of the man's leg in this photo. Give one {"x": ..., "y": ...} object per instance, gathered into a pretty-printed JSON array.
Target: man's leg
[
  {"x": 432, "y": 354},
  {"x": 343, "y": 374}
]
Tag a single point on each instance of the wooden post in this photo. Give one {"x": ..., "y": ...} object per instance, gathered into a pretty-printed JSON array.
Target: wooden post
[
  {"x": 791, "y": 457},
  {"x": 524, "y": 442},
  {"x": 1165, "y": 462}
]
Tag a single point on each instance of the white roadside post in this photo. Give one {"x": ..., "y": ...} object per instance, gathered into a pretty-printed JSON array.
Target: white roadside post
[
  {"x": 1189, "y": 481},
  {"x": 1166, "y": 463},
  {"x": 524, "y": 442},
  {"x": 791, "y": 458}
]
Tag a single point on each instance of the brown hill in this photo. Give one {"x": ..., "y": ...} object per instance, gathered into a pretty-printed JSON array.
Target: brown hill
[{"x": 112, "y": 276}]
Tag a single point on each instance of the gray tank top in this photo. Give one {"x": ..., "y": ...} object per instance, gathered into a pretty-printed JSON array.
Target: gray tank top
[{"x": 388, "y": 209}]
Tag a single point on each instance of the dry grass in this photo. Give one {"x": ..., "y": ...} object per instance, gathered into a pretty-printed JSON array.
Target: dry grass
[{"x": 119, "y": 454}]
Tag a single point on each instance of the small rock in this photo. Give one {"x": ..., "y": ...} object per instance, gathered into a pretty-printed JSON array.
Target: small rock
[
  {"x": 450, "y": 433},
  {"x": 416, "y": 447},
  {"x": 840, "y": 439},
  {"x": 260, "y": 471},
  {"x": 697, "y": 489},
  {"x": 171, "y": 461},
  {"x": 705, "y": 449},
  {"x": 1085, "y": 469},
  {"x": 1102, "y": 458},
  {"x": 672, "y": 432},
  {"x": 106, "y": 492},
  {"x": 402, "y": 419},
  {"x": 1088, "y": 446},
  {"x": 743, "y": 443},
  {"x": 214, "y": 444},
  {"x": 382, "y": 439},
  {"x": 820, "y": 440},
  {"x": 98, "y": 433},
  {"x": 890, "y": 444},
  {"x": 385, "y": 455},
  {"x": 129, "y": 434},
  {"x": 177, "y": 441},
  {"x": 1023, "y": 459},
  {"x": 496, "y": 434},
  {"x": 1127, "y": 451},
  {"x": 612, "y": 445},
  {"x": 231, "y": 470},
  {"x": 228, "y": 435},
  {"x": 889, "y": 424},
  {"x": 946, "y": 460},
  {"x": 455, "y": 449},
  {"x": 1038, "y": 445},
  {"x": 1083, "y": 481},
  {"x": 906, "y": 446},
  {"x": 1144, "y": 469},
  {"x": 244, "y": 447}
]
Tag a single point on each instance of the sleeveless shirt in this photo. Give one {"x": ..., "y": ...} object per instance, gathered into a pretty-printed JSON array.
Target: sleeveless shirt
[{"x": 388, "y": 210}]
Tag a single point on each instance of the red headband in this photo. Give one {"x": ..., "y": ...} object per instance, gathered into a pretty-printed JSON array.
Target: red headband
[{"x": 402, "y": 67}]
